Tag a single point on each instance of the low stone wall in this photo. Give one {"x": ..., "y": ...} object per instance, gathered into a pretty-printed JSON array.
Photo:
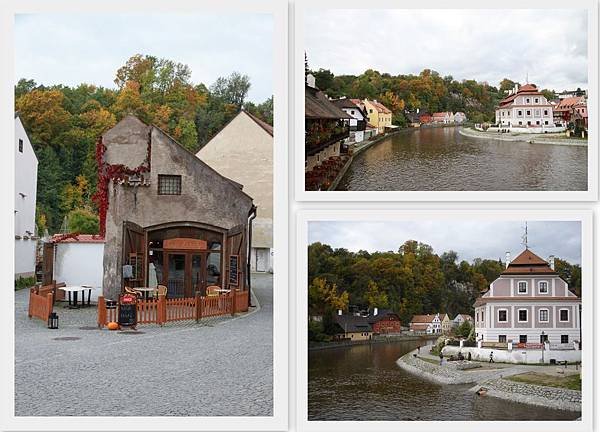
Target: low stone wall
[
  {"x": 524, "y": 137},
  {"x": 516, "y": 356},
  {"x": 431, "y": 372},
  {"x": 551, "y": 397}
]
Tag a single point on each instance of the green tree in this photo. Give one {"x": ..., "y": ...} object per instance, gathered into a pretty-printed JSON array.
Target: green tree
[
  {"x": 374, "y": 297},
  {"x": 232, "y": 89},
  {"x": 83, "y": 221}
]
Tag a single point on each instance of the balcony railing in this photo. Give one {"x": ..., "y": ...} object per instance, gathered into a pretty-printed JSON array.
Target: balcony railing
[{"x": 314, "y": 148}]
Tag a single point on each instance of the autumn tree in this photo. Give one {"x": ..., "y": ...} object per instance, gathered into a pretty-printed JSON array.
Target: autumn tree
[
  {"x": 43, "y": 115},
  {"x": 374, "y": 297}
]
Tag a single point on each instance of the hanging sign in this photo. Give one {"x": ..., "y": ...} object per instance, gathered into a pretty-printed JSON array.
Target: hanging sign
[{"x": 184, "y": 244}]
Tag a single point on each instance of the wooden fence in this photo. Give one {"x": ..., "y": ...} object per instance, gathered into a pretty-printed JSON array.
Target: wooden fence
[
  {"x": 165, "y": 310},
  {"x": 40, "y": 305}
]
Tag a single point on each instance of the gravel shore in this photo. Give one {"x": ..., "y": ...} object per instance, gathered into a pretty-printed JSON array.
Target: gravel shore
[{"x": 530, "y": 138}]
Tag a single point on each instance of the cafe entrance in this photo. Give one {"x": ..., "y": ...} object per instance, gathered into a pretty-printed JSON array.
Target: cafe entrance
[{"x": 186, "y": 272}]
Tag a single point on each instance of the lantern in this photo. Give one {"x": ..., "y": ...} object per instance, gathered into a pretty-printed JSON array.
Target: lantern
[{"x": 53, "y": 321}]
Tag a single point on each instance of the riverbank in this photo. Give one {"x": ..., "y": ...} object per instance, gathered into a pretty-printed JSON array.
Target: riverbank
[
  {"x": 492, "y": 379},
  {"x": 357, "y": 149},
  {"x": 555, "y": 139},
  {"x": 315, "y": 346}
]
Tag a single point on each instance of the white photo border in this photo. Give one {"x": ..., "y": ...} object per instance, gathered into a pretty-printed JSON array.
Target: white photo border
[
  {"x": 585, "y": 216},
  {"x": 302, "y": 6},
  {"x": 279, "y": 420}
]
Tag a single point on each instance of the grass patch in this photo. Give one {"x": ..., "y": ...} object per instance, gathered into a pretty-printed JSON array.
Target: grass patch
[{"x": 571, "y": 382}]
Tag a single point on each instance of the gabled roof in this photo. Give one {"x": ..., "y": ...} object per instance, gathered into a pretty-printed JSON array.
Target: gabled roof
[
  {"x": 527, "y": 89},
  {"x": 352, "y": 323},
  {"x": 567, "y": 103},
  {"x": 528, "y": 263},
  {"x": 76, "y": 238},
  {"x": 317, "y": 106},
  {"x": 381, "y": 314},
  {"x": 422, "y": 318},
  {"x": 379, "y": 107},
  {"x": 266, "y": 126}
]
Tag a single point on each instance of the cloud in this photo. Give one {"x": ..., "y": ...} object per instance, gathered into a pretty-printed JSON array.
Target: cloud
[
  {"x": 469, "y": 238},
  {"x": 74, "y": 48},
  {"x": 549, "y": 46}
]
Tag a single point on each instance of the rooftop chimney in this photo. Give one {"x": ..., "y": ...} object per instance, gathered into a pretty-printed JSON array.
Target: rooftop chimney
[
  {"x": 375, "y": 311},
  {"x": 310, "y": 81},
  {"x": 551, "y": 260},
  {"x": 339, "y": 312},
  {"x": 507, "y": 259},
  {"x": 417, "y": 110},
  {"x": 516, "y": 88}
]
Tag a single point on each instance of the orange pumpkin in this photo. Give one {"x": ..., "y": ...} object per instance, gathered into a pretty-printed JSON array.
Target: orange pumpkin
[{"x": 113, "y": 326}]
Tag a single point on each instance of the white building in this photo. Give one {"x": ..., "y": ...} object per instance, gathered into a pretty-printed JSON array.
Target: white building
[
  {"x": 243, "y": 152},
  {"x": 525, "y": 109},
  {"x": 460, "y": 117},
  {"x": 26, "y": 165},
  {"x": 359, "y": 120},
  {"x": 79, "y": 261},
  {"x": 529, "y": 304},
  {"x": 460, "y": 319},
  {"x": 430, "y": 324}
]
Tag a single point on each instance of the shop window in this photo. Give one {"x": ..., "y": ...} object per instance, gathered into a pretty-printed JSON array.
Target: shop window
[
  {"x": 169, "y": 184},
  {"x": 522, "y": 338},
  {"x": 502, "y": 338},
  {"x": 564, "y": 339}
]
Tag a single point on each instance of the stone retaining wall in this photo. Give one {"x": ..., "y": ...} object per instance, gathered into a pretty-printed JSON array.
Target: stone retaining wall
[{"x": 551, "y": 397}]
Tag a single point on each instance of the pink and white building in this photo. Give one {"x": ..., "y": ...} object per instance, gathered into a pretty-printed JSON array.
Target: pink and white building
[{"x": 529, "y": 304}]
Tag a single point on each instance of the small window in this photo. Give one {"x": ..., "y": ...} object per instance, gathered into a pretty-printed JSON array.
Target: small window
[
  {"x": 545, "y": 112},
  {"x": 519, "y": 113},
  {"x": 543, "y": 287},
  {"x": 522, "y": 315},
  {"x": 20, "y": 145},
  {"x": 502, "y": 338},
  {"x": 169, "y": 184},
  {"x": 543, "y": 315},
  {"x": 528, "y": 112},
  {"x": 564, "y": 315},
  {"x": 522, "y": 287},
  {"x": 564, "y": 339},
  {"x": 537, "y": 100},
  {"x": 522, "y": 338},
  {"x": 502, "y": 316},
  {"x": 527, "y": 100}
]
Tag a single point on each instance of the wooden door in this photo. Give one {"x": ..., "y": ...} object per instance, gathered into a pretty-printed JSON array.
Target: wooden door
[
  {"x": 48, "y": 263},
  {"x": 134, "y": 254}
]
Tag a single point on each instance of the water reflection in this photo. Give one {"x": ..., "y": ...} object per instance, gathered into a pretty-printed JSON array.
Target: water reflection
[
  {"x": 442, "y": 159},
  {"x": 364, "y": 383}
]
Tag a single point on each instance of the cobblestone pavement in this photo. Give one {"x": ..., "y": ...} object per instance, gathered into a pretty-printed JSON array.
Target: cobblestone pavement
[{"x": 219, "y": 367}]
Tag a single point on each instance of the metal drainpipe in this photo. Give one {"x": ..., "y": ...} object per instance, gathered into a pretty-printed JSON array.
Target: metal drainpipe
[{"x": 251, "y": 217}]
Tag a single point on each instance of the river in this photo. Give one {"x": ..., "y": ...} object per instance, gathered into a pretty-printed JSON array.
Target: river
[
  {"x": 440, "y": 159},
  {"x": 364, "y": 383}
]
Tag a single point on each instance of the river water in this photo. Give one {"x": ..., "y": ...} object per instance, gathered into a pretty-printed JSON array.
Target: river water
[
  {"x": 440, "y": 159},
  {"x": 365, "y": 383}
]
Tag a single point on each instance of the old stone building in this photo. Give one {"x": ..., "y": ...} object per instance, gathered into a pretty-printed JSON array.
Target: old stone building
[{"x": 167, "y": 217}]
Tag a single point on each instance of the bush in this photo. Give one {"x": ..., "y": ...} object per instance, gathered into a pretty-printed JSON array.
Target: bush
[
  {"x": 316, "y": 332},
  {"x": 22, "y": 282},
  {"x": 469, "y": 343},
  {"x": 453, "y": 342}
]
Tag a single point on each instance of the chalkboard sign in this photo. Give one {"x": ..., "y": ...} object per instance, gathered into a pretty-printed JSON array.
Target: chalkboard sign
[
  {"x": 233, "y": 269},
  {"x": 127, "y": 311}
]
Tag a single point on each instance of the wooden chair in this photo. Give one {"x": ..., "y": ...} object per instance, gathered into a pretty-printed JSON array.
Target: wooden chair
[
  {"x": 132, "y": 291},
  {"x": 211, "y": 290},
  {"x": 160, "y": 290}
]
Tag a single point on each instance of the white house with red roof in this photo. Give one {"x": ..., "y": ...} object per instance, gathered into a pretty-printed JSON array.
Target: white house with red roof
[
  {"x": 445, "y": 117},
  {"x": 526, "y": 109},
  {"x": 430, "y": 324},
  {"x": 528, "y": 304}
]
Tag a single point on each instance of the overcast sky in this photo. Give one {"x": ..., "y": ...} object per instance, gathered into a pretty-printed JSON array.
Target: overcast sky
[
  {"x": 485, "y": 45},
  {"x": 469, "y": 238},
  {"x": 74, "y": 48}
]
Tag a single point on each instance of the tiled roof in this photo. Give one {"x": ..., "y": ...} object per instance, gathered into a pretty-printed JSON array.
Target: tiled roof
[
  {"x": 76, "y": 238},
  {"x": 422, "y": 318},
  {"x": 567, "y": 103},
  {"x": 381, "y": 314},
  {"x": 380, "y": 107},
  {"x": 353, "y": 324},
  {"x": 527, "y": 89},
  {"x": 317, "y": 106},
  {"x": 528, "y": 262}
]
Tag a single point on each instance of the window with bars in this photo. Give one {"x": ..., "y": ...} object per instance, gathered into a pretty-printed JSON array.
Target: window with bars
[{"x": 169, "y": 184}]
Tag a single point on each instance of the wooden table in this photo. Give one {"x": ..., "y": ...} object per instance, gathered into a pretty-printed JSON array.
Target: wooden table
[
  {"x": 145, "y": 291},
  {"x": 75, "y": 289}
]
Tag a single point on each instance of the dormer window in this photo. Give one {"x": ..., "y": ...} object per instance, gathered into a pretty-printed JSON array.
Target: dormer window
[
  {"x": 522, "y": 287},
  {"x": 543, "y": 287}
]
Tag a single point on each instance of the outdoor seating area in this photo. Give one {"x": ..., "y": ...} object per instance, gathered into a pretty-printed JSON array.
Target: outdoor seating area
[{"x": 323, "y": 175}]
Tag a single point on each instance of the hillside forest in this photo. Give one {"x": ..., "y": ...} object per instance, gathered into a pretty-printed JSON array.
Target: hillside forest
[
  {"x": 412, "y": 280},
  {"x": 64, "y": 124},
  {"x": 428, "y": 91}
]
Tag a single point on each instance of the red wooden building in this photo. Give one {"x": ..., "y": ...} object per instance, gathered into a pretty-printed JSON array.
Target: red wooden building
[{"x": 384, "y": 321}]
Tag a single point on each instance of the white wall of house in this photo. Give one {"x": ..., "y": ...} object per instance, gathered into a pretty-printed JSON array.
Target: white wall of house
[
  {"x": 26, "y": 165},
  {"x": 79, "y": 263},
  {"x": 516, "y": 355},
  {"x": 243, "y": 152}
]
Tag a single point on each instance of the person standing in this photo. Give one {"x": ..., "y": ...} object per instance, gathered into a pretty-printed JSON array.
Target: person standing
[
  {"x": 492, "y": 357},
  {"x": 441, "y": 358}
]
